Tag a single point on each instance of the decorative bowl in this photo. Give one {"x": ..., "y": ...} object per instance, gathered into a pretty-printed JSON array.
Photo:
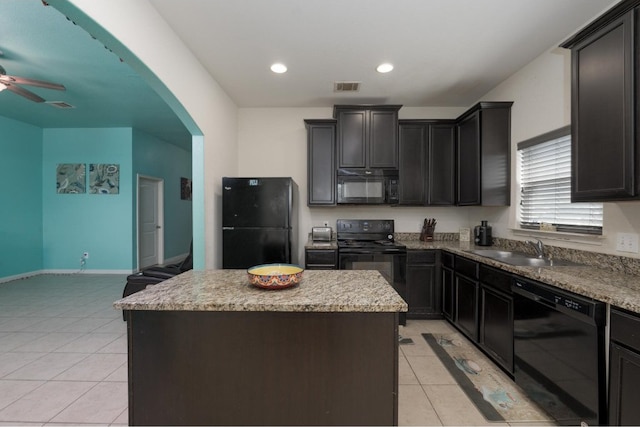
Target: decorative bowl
[{"x": 275, "y": 276}]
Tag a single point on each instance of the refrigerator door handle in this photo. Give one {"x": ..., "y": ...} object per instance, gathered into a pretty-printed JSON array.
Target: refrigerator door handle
[{"x": 228, "y": 228}]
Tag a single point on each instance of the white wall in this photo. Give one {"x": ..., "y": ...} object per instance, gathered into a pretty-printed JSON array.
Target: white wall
[
  {"x": 541, "y": 92},
  {"x": 138, "y": 34}
]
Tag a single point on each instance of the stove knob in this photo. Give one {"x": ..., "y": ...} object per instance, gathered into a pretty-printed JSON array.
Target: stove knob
[{"x": 390, "y": 236}]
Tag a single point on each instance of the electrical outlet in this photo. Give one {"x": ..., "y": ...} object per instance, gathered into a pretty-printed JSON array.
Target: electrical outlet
[
  {"x": 627, "y": 242},
  {"x": 85, "y": 255}
]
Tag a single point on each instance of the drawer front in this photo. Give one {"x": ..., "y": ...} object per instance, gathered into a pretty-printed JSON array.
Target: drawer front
[
  {"x": 319, "y": 256},
  {"x": 447, "y": 259},
  {"x": 625, "y": 328},
  {"x": 467, "y": 267},
  {"x": 496, "y": 278},
  {"x": 421, "y": 257}
]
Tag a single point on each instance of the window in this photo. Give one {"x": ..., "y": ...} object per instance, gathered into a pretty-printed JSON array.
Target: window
[{"x": 545, "y": 176}]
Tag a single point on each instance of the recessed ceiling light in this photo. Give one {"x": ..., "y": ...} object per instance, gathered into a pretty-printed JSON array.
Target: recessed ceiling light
[
  {"x": 384, "y": 68},
  {"x": 279, "y": 68}
]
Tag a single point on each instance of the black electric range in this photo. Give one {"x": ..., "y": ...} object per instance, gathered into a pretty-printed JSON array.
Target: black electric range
[
  {"x": 369, "y": 245},
  {"x": 367, "y": 236}
]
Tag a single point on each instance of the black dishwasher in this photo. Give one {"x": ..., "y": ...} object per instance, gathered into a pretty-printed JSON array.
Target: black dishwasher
[{"x": 559, "y": 352}]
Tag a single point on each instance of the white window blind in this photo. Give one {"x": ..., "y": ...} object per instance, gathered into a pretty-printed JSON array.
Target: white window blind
[{"x": 545, "y": 174}]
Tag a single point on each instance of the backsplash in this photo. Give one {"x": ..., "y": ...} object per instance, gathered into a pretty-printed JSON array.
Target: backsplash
[
  {"x": 614, "y": 263},
  {"x": 442, "y": 237}
]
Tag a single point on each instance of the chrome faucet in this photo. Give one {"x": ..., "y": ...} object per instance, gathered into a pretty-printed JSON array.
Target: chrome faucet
[{"x": 538, "y": 246}]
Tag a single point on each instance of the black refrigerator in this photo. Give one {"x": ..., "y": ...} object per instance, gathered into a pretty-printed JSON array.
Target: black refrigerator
[{"x": 259, "y": 221}]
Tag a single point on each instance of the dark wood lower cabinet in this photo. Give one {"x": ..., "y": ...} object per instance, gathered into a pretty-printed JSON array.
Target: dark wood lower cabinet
[
  {"x": 496, "y": 316},
  {"x": 423, "y": 285},
  {"x": 262, "y": 368},
  {"x": 448, "y": 286},
  {"x": 496, "y": 326},
  {"x": 467, "y": 306},
  {"x": 624, "y": 369},
  {"x": 466, "y": 297},
  {"x": 477, "y": 300},
  {"x": 321, "y": 259}
]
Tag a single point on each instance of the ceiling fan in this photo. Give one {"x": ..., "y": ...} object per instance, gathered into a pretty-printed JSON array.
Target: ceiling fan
[{"x": 11, "y": 83}]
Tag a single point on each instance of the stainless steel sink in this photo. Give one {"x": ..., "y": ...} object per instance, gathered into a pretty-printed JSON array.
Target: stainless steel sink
[
  {"x": 520, "y": 258},
  {"x": 494, "y": 253}
]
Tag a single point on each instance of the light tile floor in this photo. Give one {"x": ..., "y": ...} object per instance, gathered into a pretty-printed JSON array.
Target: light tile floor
[
  {"x": 63, "y": 351},
  {"x": 428, "y": 394},
  {"x": 63, "y": 359}
]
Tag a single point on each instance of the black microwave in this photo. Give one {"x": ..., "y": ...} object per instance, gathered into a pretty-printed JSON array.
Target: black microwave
[{"x": 367, "y": 187}]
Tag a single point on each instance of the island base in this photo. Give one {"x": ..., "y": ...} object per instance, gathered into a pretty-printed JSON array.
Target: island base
[{"x": 262, "y": 368}]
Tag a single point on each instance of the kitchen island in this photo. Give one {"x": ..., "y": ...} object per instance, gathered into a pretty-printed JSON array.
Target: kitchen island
[{"x": 208, "y": 348}]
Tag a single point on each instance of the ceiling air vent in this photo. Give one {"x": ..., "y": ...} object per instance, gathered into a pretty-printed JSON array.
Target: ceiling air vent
[
  {"x": 346, "y": 86},
  {"x": 59, "y": 104}
]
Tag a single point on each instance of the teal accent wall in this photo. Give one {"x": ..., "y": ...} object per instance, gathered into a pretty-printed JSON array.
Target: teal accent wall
[
  {"x": 20, "y": 198},
  {"x": 153, "y": 157},
  {"x": 96, "y": 223}
]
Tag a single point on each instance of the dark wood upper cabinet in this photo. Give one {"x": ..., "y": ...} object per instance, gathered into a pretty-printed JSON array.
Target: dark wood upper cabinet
[
  {"x": 367, "y": 136},
  {"x": 604, "y": 95},
  {"x": 321, "y": 162},
  {"x": 442, "y": 167},
  {"x": 468, "y": 190},
  {"x": 413, "y": 150},
  {"x": 484, "y": 155},
  {"x": 427, "y": 162}
]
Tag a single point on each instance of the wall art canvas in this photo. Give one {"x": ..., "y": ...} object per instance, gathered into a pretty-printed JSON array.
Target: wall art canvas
[
  {"x": 104, "y": 178},
  {"x": 185, "y": 188},
  {"x": 71, "y": 178}
]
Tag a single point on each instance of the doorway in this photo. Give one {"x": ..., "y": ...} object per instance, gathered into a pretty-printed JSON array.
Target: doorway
[{"x": 150, "y": 220}]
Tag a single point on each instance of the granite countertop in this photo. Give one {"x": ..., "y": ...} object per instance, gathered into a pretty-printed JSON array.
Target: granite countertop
[
  {"x": 602, "y": 284},
  {"x": 229, "y": 290}
]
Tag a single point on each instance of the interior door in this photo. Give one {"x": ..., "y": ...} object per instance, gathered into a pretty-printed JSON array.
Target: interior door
[{"x": 149, "y": 222}]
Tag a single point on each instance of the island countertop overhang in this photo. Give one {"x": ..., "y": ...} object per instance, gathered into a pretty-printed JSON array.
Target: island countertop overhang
[{"x": 229, "y": 290}]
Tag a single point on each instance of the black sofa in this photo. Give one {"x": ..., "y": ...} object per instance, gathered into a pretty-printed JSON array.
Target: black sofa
[{"x": 156, "y": 274}]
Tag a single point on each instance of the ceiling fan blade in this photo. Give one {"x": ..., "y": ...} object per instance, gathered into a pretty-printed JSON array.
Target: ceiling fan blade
[
  {"x": 32, "y": 82},
  {"x": 23, "y": 92}
]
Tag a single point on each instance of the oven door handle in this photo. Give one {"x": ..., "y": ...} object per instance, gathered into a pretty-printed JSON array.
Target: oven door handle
[{"x": 368, "y": 252}]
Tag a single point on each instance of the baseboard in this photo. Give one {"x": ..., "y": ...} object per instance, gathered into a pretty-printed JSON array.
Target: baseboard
[
  {"x": 20, "y": 276},
  {"x": 69, "y": 272},
  {"x": 87, "y": 271}
]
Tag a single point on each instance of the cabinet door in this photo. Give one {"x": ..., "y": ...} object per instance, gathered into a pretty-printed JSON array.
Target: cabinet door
[
  {"x": 412, "y": 171},
  {"x": 624, "y": 393},
  {"x": 383, "y": 139},
  {"x": 441, "y": 160},
  {"x": 352, "y": 130},
  {"x": 496, "y": 326},
  {"x": 495, "y": 155},
  {"x": 321, "y": 259},
  {"x": 421, "y": 291},
  {"x": 448, "y": 293},
  {"x": 321, "y": 163},
  {"x": 467, "y": 306},
  {"x": 468, "y": 168},
  {"x": 603, "y": 137}
]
